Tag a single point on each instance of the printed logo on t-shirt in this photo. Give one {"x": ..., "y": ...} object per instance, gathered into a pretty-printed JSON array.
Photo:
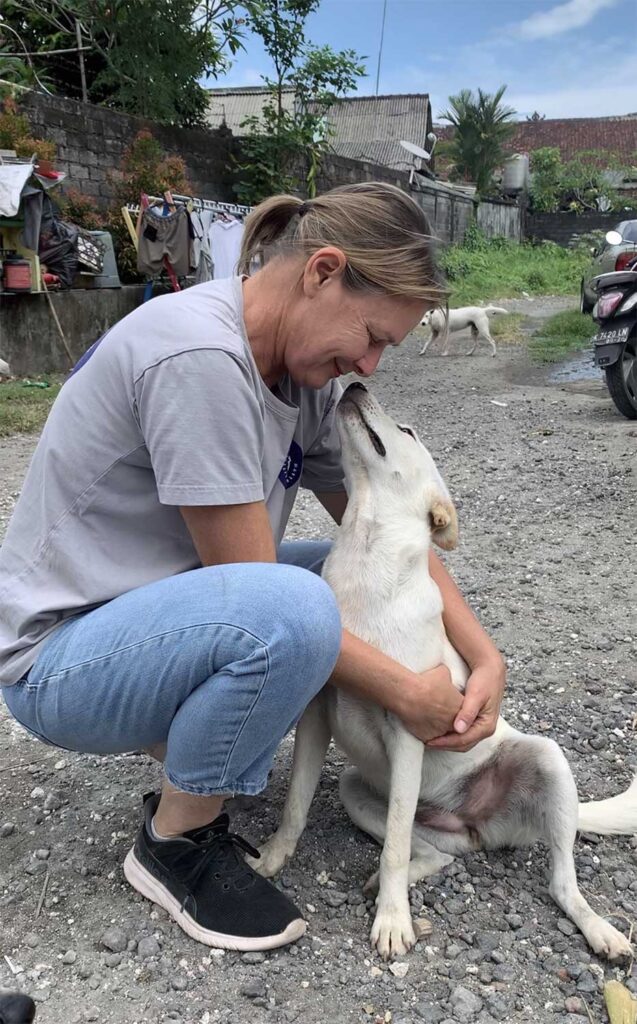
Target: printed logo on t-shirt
[{"x": 291, "y": 468}]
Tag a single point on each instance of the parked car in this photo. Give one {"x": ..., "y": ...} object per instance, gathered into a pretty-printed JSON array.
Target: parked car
[{"x": 606, "y": 259}]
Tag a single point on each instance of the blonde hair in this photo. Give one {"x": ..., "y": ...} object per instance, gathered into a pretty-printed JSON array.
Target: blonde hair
[{"x": 383, "y": 233}]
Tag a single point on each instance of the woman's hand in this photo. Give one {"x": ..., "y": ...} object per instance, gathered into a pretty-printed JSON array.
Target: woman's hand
[
  {"x": 480, "y": 709},
  {"x": 430, "y": 707}
]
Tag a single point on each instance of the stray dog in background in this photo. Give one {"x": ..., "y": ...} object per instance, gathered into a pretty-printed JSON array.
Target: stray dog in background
[
  {"x": 5, "y": 369},
  {"x": 443, "y": 322},
  {"x": 16, "y": 1008},
  {"x": 425, "y": 805}
]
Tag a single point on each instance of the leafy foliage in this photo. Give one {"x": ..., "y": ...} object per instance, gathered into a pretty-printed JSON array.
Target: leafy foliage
[
  {"x": 482, "y": 130},
  {"x": 15, "y": 133},
  {"x": 485, "y": 269},
  {"x": 146, "y": 58},
  {"x": 291, "y": 130},
  {"x": 581, "y": 183}
]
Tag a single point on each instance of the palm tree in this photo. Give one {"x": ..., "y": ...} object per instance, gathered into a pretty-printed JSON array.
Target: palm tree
[{"x": 482, "y": 129}]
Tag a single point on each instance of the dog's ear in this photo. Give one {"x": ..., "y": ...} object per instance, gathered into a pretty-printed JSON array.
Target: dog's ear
[{"x": 444, "y": 524}]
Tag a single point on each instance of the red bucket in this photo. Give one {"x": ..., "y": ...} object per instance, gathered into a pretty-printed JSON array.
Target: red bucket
[{"x": 17, "y": 275}]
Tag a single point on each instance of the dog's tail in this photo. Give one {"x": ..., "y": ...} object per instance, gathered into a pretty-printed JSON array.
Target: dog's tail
[
  {"x": 492, "y": 310},
  {"x": 616, "y": 816}
]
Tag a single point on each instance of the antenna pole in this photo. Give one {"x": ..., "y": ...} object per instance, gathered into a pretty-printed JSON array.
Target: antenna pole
[{"x": 380, "y": 48}]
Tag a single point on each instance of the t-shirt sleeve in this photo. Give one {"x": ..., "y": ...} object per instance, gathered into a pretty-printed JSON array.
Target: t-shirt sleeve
[
  {"x": 322, "y": 461},
  {"x": 203, "y": 427}
]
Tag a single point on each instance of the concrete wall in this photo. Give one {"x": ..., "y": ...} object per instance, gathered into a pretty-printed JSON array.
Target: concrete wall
[
  {"x": 565, "y": 227},
  {"x": 30, "y": 340},
  {"x": 91, "y": 142}
]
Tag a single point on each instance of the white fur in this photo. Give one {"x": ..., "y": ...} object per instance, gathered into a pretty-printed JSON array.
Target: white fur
[
  {"x": 378, "y": 569},
  {"x": 5, "y": 370},
  {"x": 442, "y": 323}
]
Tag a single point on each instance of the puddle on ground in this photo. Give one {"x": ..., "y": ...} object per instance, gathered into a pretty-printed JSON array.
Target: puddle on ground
[{"x": 580, "y": 367}]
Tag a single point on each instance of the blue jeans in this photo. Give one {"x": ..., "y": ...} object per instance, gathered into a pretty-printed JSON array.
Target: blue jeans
[{"x": 218, "y": 663}]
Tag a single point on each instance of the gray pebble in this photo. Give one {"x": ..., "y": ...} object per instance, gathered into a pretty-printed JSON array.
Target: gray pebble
[
  {"x": 254, "y": 989},
  {"x": 115, "y": 939},
  {"x": 69, "y": 957},
  {"x": 179, "y": 983},
  {"x": 147, "y": 947},
  {"x": 253, "y": 958},
  {"x": 566, "y": 927},
  {"x": 7, "y": 829},
  {"x": 465, "y": 1003}
]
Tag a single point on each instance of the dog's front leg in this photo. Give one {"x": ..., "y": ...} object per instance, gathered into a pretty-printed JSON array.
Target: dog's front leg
[
  {"x": 310, "y": 745},
  {"x": 392, "y": 931}
]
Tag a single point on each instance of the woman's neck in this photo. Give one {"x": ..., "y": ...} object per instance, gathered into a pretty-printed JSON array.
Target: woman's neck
[{"x": 264, "y": 317}]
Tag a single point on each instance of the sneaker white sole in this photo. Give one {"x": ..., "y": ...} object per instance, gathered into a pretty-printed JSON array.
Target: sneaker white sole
[{"x": 152, "y": 889}]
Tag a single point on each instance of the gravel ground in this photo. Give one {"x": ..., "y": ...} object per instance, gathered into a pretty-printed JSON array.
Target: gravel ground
[{"x": 544, "y": 477}]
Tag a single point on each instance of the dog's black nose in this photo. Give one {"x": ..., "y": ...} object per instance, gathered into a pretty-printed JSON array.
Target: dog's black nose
[
  {"x": 16, "y": 1008},
  {"x": 355, "y": 386}
]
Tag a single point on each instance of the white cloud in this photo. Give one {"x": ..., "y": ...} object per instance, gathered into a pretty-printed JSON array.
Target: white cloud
[{"x": 563, "y": 18}]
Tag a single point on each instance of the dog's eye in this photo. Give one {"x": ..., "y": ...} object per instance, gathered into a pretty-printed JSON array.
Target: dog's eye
[{"x": 406, "y": 430}]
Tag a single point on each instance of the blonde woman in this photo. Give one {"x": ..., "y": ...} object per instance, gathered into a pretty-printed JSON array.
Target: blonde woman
[{"x": 147, "y": 599}]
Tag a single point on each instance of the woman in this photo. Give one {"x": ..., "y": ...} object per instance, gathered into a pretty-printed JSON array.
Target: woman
[{"x": 146, "y": 599}]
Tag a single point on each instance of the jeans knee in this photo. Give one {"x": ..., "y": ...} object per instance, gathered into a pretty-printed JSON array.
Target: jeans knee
[{"x": 311, "y": 629}]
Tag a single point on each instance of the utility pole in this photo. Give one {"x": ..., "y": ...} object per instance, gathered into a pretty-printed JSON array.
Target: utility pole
[
  {"x": 380, "y": 48},
  {"x": 80, "y": 53}
]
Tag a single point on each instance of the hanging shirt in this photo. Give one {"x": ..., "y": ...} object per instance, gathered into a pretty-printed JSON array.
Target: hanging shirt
[
  {"x": 225, "y": 246},
  {"x": 167, "y": 409}
]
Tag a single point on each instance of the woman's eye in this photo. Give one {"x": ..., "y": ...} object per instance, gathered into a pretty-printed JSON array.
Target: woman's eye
[{"x": 372, "y": 340}]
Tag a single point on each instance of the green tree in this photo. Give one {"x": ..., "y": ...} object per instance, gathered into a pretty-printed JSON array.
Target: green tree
[
  {"x": 145, "y": 58},
  {"x": 585, "y": 182},
  {"x": 308, "y": 80},
  {"x": 482, "y": 129}
]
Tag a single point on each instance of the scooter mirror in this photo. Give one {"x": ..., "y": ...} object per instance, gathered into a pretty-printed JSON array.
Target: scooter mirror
[{"x": 614, "y": 238}]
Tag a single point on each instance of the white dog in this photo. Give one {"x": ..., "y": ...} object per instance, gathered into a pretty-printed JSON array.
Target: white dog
[
  {"x": 5, "y": 369},
  {"x": 425, "y": 805},
  {"x": 475, "y": 317}
]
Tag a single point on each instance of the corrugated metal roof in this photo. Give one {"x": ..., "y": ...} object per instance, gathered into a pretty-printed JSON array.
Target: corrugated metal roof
[
  {"x": 233, "y": 106},
  {"x": 365, "y": 127}
]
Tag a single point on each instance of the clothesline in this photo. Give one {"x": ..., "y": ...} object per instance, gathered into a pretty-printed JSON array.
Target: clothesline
[{"x": 211, "y": 205}]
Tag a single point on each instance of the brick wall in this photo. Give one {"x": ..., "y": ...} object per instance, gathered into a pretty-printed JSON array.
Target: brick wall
[{"x": 91, "y": 142}]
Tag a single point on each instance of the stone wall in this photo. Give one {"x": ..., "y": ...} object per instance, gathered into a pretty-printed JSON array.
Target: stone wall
[
  {"x": 565, "y": 227},
  {"x": 91, "y": 142}
]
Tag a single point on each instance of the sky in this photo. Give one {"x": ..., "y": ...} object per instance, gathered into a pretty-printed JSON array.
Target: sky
[{"x": 572, "y": 59}]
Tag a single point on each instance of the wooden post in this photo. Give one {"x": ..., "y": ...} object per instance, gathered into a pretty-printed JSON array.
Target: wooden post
[{"x": 78, "y": 35}]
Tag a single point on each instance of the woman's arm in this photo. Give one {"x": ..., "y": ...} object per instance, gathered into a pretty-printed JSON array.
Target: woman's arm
[{"x": 478, "y": 716}]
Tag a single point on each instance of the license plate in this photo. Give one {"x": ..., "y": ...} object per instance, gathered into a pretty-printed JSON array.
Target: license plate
[{"x": 612, "y": 335}]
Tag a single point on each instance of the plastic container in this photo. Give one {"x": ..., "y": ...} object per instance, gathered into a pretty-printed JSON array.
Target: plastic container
[{"x": 16, "y": 275}]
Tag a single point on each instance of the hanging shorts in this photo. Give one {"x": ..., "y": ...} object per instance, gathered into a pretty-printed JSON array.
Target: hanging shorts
[{"x": 164, "y": 236}]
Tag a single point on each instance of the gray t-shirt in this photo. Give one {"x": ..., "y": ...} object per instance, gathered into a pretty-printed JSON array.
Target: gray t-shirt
[{"x": 167, "y": 409}]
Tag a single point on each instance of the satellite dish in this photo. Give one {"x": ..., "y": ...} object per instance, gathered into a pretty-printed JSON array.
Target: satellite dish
[
  {"x": 418, "y": 153},
  {"x": 415, "y": 150}
]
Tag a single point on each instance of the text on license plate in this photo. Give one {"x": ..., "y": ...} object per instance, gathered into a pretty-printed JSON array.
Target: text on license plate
[{"x": 612, "y": 336}]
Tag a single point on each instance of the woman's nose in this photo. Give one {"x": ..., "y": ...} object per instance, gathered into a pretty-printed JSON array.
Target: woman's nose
[{"x": 365, "y": 366}]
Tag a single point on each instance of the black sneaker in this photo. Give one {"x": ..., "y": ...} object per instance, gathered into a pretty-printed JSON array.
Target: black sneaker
[{"x": 204, "y": 883}]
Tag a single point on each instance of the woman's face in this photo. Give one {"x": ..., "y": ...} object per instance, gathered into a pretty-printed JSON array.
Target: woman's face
[{"x": 331, "y": 330}]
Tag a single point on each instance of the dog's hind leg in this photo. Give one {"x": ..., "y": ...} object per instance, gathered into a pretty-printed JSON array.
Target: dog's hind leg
[
  {"x": 310, "y": 746},
  {"x": 560, "y": 825},
  {"x": 487, "y": 337},
  {"x": 474, "y": 337}
]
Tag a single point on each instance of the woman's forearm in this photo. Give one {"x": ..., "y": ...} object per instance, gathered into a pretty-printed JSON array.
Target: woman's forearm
[
  {"x": 427, "y": 702},
  {"x": 463, "y": 629}
]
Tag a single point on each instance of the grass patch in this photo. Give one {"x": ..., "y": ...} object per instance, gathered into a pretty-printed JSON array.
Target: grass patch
[
  {"x": 560, "y": 335},
  {"x": 481, "y": 270},
  {"x": 507, "y": 330},
  {"x": 23, "y": 410}
]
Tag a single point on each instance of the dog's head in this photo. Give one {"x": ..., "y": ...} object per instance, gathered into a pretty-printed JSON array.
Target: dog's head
[
  {"x": 426, "y": 320},
  {"x": 388, "y": 463}
]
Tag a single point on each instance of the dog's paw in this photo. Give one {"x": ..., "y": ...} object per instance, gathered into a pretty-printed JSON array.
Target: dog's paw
[
  {"x": 393, "y": 933},
  {"x": 608, "y": 941},
  {"x": 274, "y": 855}
]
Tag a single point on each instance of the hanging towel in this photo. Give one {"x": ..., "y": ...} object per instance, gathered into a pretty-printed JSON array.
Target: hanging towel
[{"x": 13, "y": 178}]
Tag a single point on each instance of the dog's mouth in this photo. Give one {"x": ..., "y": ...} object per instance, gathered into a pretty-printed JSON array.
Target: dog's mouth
[{"x": 350, "y": 399}]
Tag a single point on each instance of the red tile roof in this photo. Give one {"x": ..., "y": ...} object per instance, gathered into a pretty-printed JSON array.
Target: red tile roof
[{"x": 571, "y": 135}]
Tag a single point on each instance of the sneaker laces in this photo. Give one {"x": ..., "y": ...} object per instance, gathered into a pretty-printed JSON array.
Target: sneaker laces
[{"x": 224, "y": 847}]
